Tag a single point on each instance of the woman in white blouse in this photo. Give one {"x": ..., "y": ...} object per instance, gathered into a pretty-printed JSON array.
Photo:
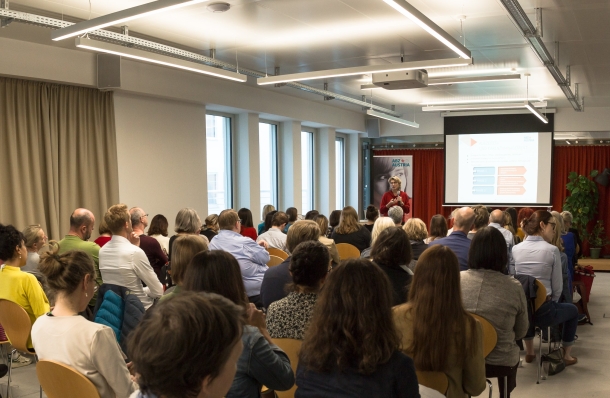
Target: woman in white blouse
[{"x": 63, "y": 336}]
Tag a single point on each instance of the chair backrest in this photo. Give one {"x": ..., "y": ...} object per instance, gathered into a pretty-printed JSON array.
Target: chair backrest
[
  {"x": 540, "y": 295},
  {"x": 435, "y": 380},
  {"x": 347, "y": 251},
  {"x": 274, "y": 260},
  {"x": 490, "y": 336},
  {"x": 278, "y": 253},
  {"x": 291, "y": 347},
  {"x": 16, "y": 323},
  {"x": 62, "y": 381}
]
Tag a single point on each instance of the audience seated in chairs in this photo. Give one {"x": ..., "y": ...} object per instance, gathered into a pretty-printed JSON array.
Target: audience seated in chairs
[
  {"x": 536, "y": 257},
  {"x": 392, "y": 252},
  {"x": 35, "y": 238},
  {"x": 247, "y": 225},
  {"x": 63, "y": 336},
  {"x": 351, "y": 348},
  {"x": 371, "y": 215},
  {"x": 185, "y": 248},
  {"x": 380, "y": 224},
  {"x": 350, "y": 231},
  {"x": 436, "y": 331},
  {"x": 309, "y": 266},
  {"x": 266, "y": 210},
  {"x": 275, "y": 236},
  {"x": 187, "y": 223},
  {"x": 417, "y": 233},
  {"x": 187, "y": 347},
  {"x": 322, "y": 222},
  {"x": 499, "y": 298},
  {"x": 438, "y": 227},
  {"x": 261, "y": 362}
]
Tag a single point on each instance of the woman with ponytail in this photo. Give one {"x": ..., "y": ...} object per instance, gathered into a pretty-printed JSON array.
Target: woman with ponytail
[{"x": 64, "y": 336}]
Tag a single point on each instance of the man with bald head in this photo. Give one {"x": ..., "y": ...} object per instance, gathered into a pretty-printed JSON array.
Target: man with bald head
[
  {"x": 151, "y": 246},
  {"x": 458, "y": 240},
  {"x": 496, "y": 220},
  {"x": 82, "y": 222}
]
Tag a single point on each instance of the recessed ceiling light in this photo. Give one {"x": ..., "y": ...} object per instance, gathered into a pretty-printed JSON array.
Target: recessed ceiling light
[{"x": 219, "y": 7}]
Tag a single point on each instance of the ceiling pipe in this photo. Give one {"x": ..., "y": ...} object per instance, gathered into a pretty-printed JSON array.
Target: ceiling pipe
[
  {"x": 148, "y": 45},
  {"x": 534, "y": 36}
]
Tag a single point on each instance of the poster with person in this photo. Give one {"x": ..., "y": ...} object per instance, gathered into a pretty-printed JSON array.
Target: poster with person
[{"x": 386, "y": 166}]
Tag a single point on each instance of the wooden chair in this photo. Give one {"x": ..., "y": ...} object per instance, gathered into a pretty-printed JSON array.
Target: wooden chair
[
  {"x": 17, "y": 325},
  {"x": 347, "y": 251},
  {"x": 62, "y": 381},
  {"x": 435, "y": 380},
  {"x": 278, "y": 253},
  {"x": 274, "y": 260},
  {"x": 490, "y": 339},
  {"x": 291, "y": 347}
]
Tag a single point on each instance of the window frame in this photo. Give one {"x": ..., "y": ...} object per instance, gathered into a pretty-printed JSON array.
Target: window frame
[
  {"x": 274, "y": 162},
  {"x": 228, "y": 143},
  {"x": 312, "y": 174},
  {"x": 340, "y": 172}
]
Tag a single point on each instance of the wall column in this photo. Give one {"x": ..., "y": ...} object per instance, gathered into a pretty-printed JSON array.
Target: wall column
[
  {"x": 289, "y": 166},
  {"x": 353, "y": 173},
  {"x": 325, "y": 175},
  {"x": 247, "y": 188}
]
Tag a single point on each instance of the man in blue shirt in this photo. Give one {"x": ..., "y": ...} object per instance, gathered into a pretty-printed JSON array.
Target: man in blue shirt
[
  {"x": 458, "y": 240},
  {"x": 251, "y": 256}
]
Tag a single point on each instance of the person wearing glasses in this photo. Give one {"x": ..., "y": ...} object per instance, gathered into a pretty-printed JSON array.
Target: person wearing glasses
[
  {"x": 152, "y": 248},
  {"x": 63, "y": 336},
  {"x": 538, "y": 258},
  {"x": 309, "y": 265}
]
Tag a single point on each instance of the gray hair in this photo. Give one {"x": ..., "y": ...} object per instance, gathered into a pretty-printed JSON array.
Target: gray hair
[
  {"x": 395, "y": 213},
  {"x": 136, "y": 214},
  {"x": 188, "y": 221},
  {"x": 567, "y": 216}
]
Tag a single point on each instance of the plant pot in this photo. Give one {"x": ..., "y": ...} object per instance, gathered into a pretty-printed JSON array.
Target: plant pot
[{"x": 594, "y": 251}]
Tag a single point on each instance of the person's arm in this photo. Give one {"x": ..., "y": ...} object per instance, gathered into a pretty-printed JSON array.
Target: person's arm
[
  {"x": 406, "y": 384},
  {"x": 107, "y": 358},
  {"x": 38, "y": 300},
  {"x": 473, "y": 368},
  {"x": 256, "y": 253},
  {"x": 511, "y": 260},
  {"x": 406, "y": 207},
  {"x": 269, "y": 365},
  {"x": 95, "y": 253},
  {"x": 145, "y": 272},
  {"x": 521, "y": 320},
  {"x": 556, "y": 276},
  {"x": 385, "y": 199},
  {"x": 158, "y": 252}
]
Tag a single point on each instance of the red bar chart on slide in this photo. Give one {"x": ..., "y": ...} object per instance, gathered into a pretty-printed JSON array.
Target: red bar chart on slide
[{"x": 496, "y": 169}]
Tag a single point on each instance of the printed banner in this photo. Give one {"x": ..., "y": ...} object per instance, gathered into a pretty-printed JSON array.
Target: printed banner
[{"x": 384, "y": 167}]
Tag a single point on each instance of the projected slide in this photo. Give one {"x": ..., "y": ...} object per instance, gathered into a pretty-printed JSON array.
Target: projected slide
[{"x": 510, "y": 168}]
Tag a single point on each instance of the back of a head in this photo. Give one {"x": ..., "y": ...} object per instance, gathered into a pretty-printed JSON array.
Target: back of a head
[
  {"x": 197, "y": 330},
  {"x": 531, "y": 224},
  {"x": 481, "y": 217},
  {"x": 116, "y": 218},
  {"x": 227, "y": 219},
  {"x": 497, "y": 217},
  {"x": 567, "y": 217},
  {"x": 334, "y": 218},
  {"x": 266, "y": 210},
  {"x": 464, "y": 219},
  {"x": 352, "y": 321},
  {"x": 415, "y": 229},
  {"x": 348, "y": 222},
  {"x": 371, "y": 213},
  {"x": 392, "y": 248},
  {"x": 136, "y": 215},
  {"x": 66, "y": 271},
  {"x": 279, "y": 218},
  {"x": 187, "y": 221},
  {"x": 309, "y": 264},
  {"x": 31, "y": 235},
  {"x": 184, "y": 248},
  {"x": 103, "y": 228},
  {"x": 395, "y": 213},
  {"x": 10, "y": 238},
  {"x": 301, "y": 231},
  {"x": 513, "y": 216},
  {"x": 245, "y": 215},
  {"x": 158, "y": 225},
  {"x": 217, "y": 272},
  {"x": 269, "y": 220},
  {"x": 80, "y": 217},
  {"x": 381, "y": 224},
  {"x": 488, "y": 250},
  {"x": 211, "y": 222},
  {"x": 438, "y": 226},
  {"x": 322, "y": 222},
  {"x": 524, "y": 212},
  {"x": 292, "y": 213},
  {"x": 311, "y": 214},
  {"x": 558, "y": 231}
]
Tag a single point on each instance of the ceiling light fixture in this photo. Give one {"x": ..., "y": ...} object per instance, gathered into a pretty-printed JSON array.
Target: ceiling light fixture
[
  {"x": 422, "y": 21},
  {"x": 120, "y": 17},
  {"x": 359, "y": 70},
  {"x": 392, "y": 118},
  {"x": 154, "y": 58},
  {"x": 472, "y": 79},
  {"x": 472, "y": 70},
  {"x": 478, "y": 106},
  {"x": 481, "y": 101},
  {"x": 528, "y": 104},
  {"x": 219, "y": 7}
]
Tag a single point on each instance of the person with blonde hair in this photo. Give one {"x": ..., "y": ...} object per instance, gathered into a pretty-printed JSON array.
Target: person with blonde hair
[
  {"x": 185, "y": 248},
  {"x": 380, "y": 224},
  {"x": 211, "y": 227},
  {"x": 266, "y": 210},
  {"x": 322, "y": 222},
  {"x": 394, "y": 197},
  {"x": 350, "y": 231},
  {"x": 60, "y": 335},
  {"x": 35, "y": 238},
  {"x": 417, "y": 232},
  {"x": 557, "y": 241}
]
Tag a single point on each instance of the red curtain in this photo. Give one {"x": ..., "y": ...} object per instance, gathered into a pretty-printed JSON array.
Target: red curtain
[{"x": 429, "y": 175}]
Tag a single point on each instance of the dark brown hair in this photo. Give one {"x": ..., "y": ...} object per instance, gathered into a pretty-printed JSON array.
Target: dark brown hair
[
  {"x": 438, "y": 226},
  {"x": 292, "y": 213},
  {"x": 269, "y": 219},
  {"x": 439, "y": 319},
  {"x": 392, "y": 248},
  {"x": 245, "y": 215},
  {"x": 218, "y": 272},
  {"x": 311, "y": 214},
  {"x": 371, "y": 213},
  {"x": 64, "y": 272},
  {"x": 352, "y": 325},
  {"x": 322, "y": 222},
  {"x": 488, "y": 250},
  {"x": 10, "y": 239},
  {"x": 301, "y": 231},
  {"x": 531, "y": 225},
  {"x": 158, "y": 225},
  {"x": 197, "y": 330},
  {"x": 278, "y": 218},
  {"x": 184, "y": 248},
  {"x": 334, "y": 218},
  {"x": 103, "y": 228},
  {"x": 309, "y": 263},
  {"x": 349, "y": 222}
]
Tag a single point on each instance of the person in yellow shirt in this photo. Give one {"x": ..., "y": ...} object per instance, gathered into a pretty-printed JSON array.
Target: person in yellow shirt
[{"x": 17, "y": 286}]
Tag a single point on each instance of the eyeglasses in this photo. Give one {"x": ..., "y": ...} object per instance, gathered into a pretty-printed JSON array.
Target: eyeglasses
[{"x": 553, "y": 224}]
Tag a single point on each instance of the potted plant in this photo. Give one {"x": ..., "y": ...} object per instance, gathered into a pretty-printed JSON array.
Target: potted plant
[
  {"x": 583, "y": 199},
  {"x": 597, "y": 239}
]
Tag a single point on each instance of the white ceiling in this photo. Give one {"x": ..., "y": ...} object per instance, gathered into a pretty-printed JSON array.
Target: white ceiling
[{"x": 307, "y": 35}]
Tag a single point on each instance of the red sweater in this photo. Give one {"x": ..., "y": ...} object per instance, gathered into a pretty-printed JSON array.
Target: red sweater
[
  {"x": 249, "y": 232},
  {"x": 388, "y": 196}
]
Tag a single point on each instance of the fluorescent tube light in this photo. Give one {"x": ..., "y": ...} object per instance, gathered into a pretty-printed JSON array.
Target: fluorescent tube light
[
  {"x": 535, "y": 111},
  {"x": 392, "y": 118},
  {"x": 481, "y": 101},
  {"x": 478, "y": 106},
  {"x": 119, "y": 17},
  {"x": 471, "y": 79},
  {"x": 369, "y": 87},
  {"x": 422, "y": 21},
  {"x": 160, "y": 59},
  {"x": 360, "y": 70},
  {"x": 471, "y": 70}
]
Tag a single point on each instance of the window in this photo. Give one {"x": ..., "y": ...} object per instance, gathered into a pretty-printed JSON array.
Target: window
[
  {"x": 218, "y": 141},
  {"x": 307, "y": 170},
  {"x": 268, "y": 160},
  {"x": 340, "y": 170}
]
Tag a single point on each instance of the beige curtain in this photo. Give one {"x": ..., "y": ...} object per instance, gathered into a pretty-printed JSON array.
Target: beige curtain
[{"x": 57, "y": 153}]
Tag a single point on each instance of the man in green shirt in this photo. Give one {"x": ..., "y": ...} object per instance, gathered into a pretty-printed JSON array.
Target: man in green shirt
[{"x": 81, "y": 226}]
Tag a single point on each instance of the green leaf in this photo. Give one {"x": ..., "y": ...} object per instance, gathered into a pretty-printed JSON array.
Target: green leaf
[
  {"x": 572, "y": 175},
  {"x": 594, "y": 173},
  {"x": 575, "y": 190}
]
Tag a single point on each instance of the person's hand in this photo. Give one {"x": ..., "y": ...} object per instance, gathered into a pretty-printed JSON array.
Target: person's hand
[
  {"x": 263, "y": 243},
  {"x": 256, "y": 317},
  {"x": 399, "y": 200},
  {"x": 134, "y": 239}
]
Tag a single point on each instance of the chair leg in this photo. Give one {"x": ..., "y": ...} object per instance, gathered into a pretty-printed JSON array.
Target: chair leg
[
  {"x": 35, "y": 364},
  {"x": 539, "y": 356},
  {"x": 10, "y": 372},
  {"x": 505, "y": 386},
  {"x": 490, "y": 387}
]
